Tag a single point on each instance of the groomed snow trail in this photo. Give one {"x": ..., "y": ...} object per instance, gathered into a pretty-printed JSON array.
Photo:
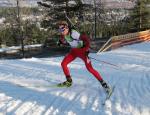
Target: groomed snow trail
[{"x": 131, "y": 78}]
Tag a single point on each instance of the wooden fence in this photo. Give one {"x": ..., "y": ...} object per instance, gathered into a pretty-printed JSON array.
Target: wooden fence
[{"x": 127, "y": 39}]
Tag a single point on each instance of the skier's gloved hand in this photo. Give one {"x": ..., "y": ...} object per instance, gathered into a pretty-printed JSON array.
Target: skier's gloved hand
[
  {"x": 87, "y": 53},
  {"x": 59, "y": 43}
]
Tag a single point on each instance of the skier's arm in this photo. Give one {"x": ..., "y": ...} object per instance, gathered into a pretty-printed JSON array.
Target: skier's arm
[
  {"x": 61, "y": 41},
  {"x": 86, "y": 41}
]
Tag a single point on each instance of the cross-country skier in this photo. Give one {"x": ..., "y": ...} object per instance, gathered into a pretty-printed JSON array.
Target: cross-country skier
[{"x": 79, "y": 48}]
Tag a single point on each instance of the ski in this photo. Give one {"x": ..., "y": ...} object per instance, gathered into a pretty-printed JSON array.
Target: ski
[
  {"x": 42, "y": 86},
  {"x": 108, "y": 96}
]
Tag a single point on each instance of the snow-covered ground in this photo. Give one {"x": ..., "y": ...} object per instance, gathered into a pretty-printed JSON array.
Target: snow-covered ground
[
  {"x": 131, "y": 78},
  {"x": 18, "y": 48}
]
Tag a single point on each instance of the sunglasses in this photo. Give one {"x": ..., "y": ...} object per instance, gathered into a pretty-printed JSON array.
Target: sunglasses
[{"x": 62, "y": 29}]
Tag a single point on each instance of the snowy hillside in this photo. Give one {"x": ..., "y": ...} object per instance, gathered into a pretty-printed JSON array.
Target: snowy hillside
[{"x": 131, "y": 77}]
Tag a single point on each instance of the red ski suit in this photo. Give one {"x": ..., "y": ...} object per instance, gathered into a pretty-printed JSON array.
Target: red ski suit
[{"x": 81, "y": 53}]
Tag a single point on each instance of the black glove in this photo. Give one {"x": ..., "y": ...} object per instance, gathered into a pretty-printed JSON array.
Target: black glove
[
  {"x": 59, "y": 43},
  {"x": 87, "y": 53}
]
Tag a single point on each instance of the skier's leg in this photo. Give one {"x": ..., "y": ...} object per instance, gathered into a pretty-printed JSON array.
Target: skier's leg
[
  {"x": 68, "y": 59},
  {"x": 89, "y": 67},
  {"x": 96, "y": 74}
]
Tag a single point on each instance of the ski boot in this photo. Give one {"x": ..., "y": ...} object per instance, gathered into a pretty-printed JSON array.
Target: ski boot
[
  {"x": 66, "y": 83},
  {"x": 108, "y": 91},
  {"x": 106, "y": 87}
]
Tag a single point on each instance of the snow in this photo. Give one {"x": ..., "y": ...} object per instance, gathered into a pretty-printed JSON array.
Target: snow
[
  {"x": 131, "y": 77},
  {"x": 23, "y": 3},
  {"x": 17, "y": 48},
  {"x": 2, "y": 20}
]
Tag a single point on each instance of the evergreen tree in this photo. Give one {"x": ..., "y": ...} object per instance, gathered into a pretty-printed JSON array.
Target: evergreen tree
[
  {"x": 140, "y": 16},
  {"x": 55, "y": 11}
]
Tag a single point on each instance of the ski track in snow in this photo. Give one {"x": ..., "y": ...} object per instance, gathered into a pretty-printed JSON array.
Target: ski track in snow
[{"x": 131, "y": 78}]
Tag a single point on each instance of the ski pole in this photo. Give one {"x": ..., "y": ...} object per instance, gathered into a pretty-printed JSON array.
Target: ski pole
[
  {"x": 103, "y": 62},
  {"x": 70, "y": 21}
]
